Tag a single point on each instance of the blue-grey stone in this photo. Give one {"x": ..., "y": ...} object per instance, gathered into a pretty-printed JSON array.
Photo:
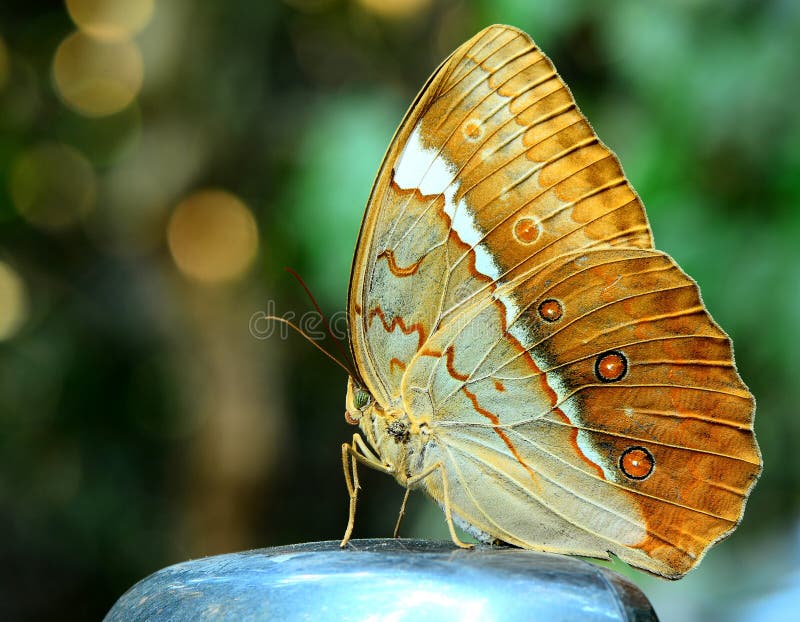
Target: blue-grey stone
[{"x": 391, "y": 580}]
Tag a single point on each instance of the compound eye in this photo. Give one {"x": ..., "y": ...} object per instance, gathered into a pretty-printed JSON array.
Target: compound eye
[{"x": 362, "y": 399}]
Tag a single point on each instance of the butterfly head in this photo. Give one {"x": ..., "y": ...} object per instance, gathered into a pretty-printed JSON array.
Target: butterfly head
[{"x": 357, "y": 401}]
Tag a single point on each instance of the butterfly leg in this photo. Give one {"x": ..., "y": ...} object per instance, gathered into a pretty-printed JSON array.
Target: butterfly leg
[
  {"x": 350, "y": 459},
  {"x": 448, "y": 512},
  {"x": 402, "y": 514},
  {"x": 350, "y": 467}
]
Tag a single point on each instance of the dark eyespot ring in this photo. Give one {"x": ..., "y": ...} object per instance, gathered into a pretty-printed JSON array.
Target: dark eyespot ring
[
  {"x": 637, "y": 463},
  {"x": 611, "y": 366}
]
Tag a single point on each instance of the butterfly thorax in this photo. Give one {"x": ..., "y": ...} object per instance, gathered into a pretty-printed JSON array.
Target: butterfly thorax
[{"x": 399, "y": 441}]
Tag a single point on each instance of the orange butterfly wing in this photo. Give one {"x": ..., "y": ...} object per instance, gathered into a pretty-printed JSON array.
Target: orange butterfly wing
[
  {"x": 597, "y": 393},
  {"x": 493, "y": 147},
  {"x": 505, "y": 292}
]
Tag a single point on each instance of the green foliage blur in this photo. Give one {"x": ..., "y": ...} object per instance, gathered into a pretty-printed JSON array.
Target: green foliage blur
[{"x": 144, "y": 419}]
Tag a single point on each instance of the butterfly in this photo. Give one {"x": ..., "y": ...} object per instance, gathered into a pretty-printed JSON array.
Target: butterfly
[{"x": 522, "y": 352}]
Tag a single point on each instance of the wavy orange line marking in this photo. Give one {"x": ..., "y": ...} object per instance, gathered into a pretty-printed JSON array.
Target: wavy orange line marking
[
  {"x": 496, "y": 421},
  {"x": 430, "y": 352},
  {"x": 576, "y": 447},
  {"x": 398, "y": 270},
  {"x": 396, "y": 362},
  {"x": 502, "y": 310},
  {"x": 471, "y": 254},
  {"x": 396, "y": 322},
  {"x": 548, "y": 390},
  {"x": 450, "y": 353},
  {"x": 550, "y": 393}
]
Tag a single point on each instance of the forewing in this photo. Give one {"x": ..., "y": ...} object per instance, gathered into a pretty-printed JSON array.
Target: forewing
[
  {"x": 591, "y": 405},
  {"x": 493, "y": 170}
]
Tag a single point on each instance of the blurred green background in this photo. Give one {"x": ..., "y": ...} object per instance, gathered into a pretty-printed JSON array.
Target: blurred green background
[{"x": 162, "y": 161}]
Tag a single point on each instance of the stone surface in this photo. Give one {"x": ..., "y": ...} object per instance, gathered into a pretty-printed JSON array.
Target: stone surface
[{"x": 383, "y": 580}]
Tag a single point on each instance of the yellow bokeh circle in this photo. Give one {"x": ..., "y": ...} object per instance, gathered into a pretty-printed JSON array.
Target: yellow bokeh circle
[
  {"x": 395, "y": 9},
  {"x": 110, "y": 19},
  {"x": 95, "y": 77},
  {"x": 13, "y": 302},
  {"x": 212, "y": 236},
  {"x": 5, "y": 64},
  {"x": 52, "y": 185}
]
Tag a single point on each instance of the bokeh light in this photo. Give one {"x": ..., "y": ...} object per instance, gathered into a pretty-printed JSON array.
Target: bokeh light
[
  {"x": 52, "y": 185},
  {"x": 212, "y": 236},
  {"x": 110, "y": 19},
  {"x": 138, "y": 193},
  {"x": 4, "y": 63},
  {"x": 142, "y": 424},
  {"x": 96, "y": 77},
  {"x": 309, "y": 6},
  {"x": 395, "y": 9},
  {"x": 13, "y": 302},
  {"x": 21, "y": 97}
]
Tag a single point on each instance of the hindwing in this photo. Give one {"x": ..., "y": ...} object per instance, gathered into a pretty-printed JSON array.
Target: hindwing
[{"x": 620, "y": 420}]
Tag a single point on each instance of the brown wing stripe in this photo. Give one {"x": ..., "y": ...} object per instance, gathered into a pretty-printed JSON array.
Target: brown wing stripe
[
  {"x": 496, "y": 421},
  {"x": 396, "y": 362},
  {"x": 397, "y": 322},
  {"x": 398, "y": 270}
]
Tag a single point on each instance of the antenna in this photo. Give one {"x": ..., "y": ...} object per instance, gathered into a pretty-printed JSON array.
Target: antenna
[
  {"x": 311, "y": 341},
  {"x": 336, "y": 340}
]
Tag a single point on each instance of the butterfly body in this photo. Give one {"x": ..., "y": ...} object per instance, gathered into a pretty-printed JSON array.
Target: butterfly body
[{"x": 524, "y": 354}]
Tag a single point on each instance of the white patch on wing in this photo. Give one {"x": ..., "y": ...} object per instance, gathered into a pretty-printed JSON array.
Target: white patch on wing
[
  {"x": 511, "y": 311},
  {"x": 484, "y": 263},
  {"x": 583, "y": 439},
  {"x": 629, "y": 413},
  {"x": 422, "y": 167},
  {"x": 520, "y": 334},
  {"x": 432, "y": 174},
  {"x": 466, "y": 228},
  {"x": 514, "y": 325},
  {"x": 556, "y": 383}
]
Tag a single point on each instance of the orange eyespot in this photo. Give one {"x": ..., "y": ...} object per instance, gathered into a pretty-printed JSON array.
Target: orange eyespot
[
  {"x": 349, "y": 418},
  {"x": 526, "y": 230},
  {"x": 473, "y": 130},
  {"x": 611, "y": 366},
  {"x": 637, "y": 463},
  {"x": 551, "y": 310}
]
